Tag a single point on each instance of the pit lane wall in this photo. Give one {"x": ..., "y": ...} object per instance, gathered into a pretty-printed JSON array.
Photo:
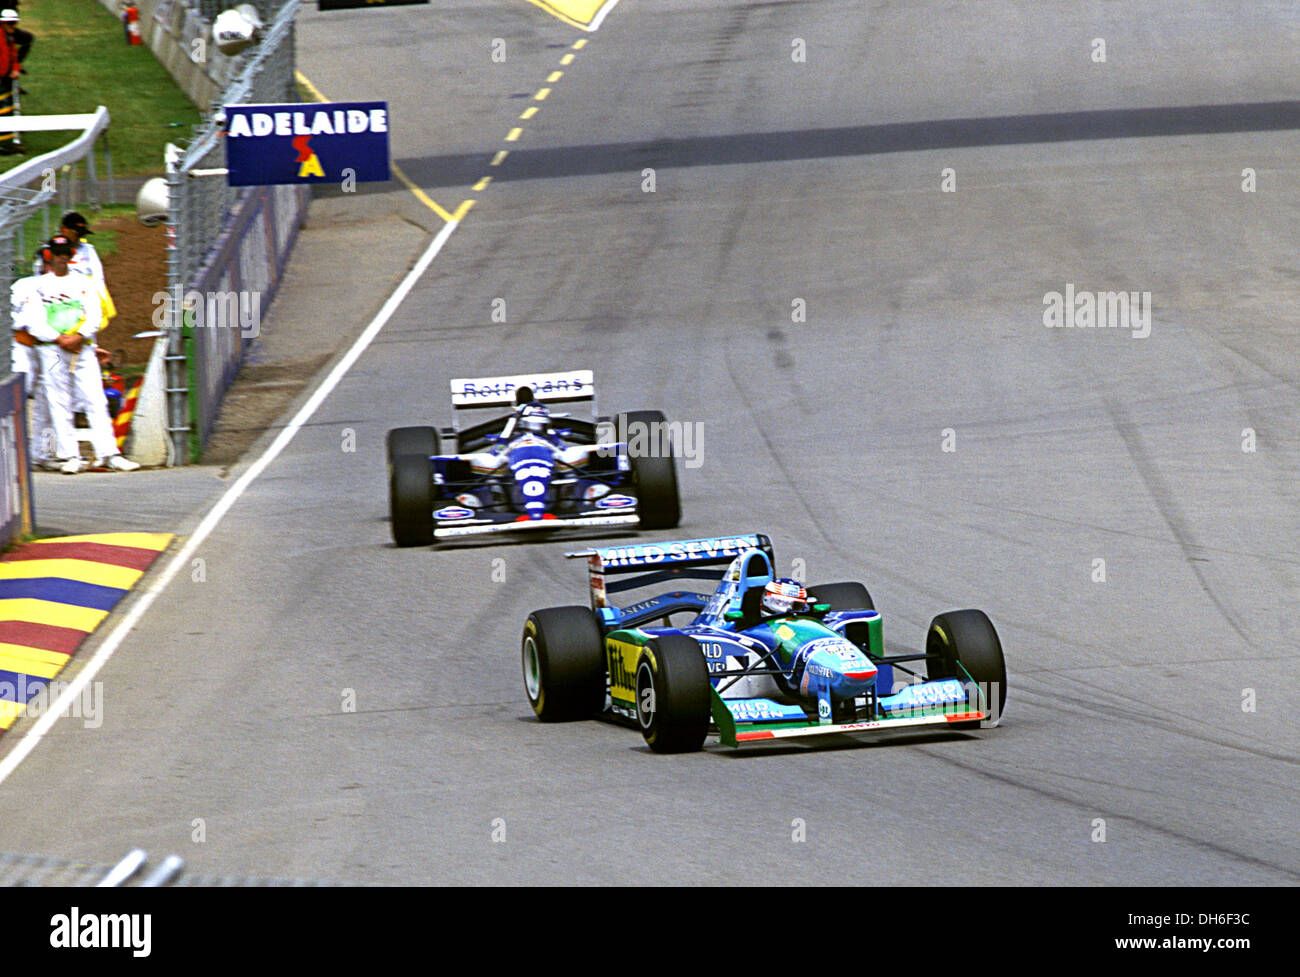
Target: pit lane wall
[
  {"x": 16, "y": 515},
  {"x": 230, "y": 296}
]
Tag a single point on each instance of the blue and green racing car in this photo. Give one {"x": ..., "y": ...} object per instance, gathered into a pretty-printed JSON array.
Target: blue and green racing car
[{"x": 756, "y": 660}]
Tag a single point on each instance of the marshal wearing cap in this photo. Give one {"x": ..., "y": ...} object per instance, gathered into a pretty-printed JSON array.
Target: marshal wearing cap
[{"x": 73, "y": 221}]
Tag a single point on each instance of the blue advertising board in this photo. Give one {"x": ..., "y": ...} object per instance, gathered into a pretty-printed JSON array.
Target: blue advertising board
[{"x": 318, "y": 142}]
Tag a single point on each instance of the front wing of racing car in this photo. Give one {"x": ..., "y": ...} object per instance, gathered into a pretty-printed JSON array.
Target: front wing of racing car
[
  {"x": 741, "y": 721},
  {"x": 934, "y": 702}
]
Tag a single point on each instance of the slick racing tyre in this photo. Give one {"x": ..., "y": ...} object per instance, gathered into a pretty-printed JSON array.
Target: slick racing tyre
[
  {"x": 410, "y": 500},
  {"x": 413, "y": 441},
  {"x": 651, "y": 457},
  {"x": 564, "y": 663},
  {"x": 842, "y": 596},
  {"x": 848, "y": 597},
  {"x": 968, "y": 638},
  {"x": 672, "y": 695}
]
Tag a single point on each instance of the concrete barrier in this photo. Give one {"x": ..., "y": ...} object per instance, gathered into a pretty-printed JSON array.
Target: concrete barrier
[{"x": 148, "y": 443}]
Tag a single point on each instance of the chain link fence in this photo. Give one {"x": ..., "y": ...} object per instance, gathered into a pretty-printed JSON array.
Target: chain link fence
[
  {"x": 208, "y": 9},
  {"x": 231, "y": 243}
]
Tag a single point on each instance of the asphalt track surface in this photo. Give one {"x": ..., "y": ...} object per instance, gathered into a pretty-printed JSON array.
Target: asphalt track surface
[{"x": 1154, "y": 709}]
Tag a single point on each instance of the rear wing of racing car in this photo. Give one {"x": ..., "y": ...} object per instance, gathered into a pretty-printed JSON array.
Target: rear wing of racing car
[
  {"x": 644, "y": 564},
  {"x": 478, "y": 393}
]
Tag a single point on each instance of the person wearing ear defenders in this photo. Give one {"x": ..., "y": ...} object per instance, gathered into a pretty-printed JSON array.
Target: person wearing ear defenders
[{"x": 62, "y": 314}]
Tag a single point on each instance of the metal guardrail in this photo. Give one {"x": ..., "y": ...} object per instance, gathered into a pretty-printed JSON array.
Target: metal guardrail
[
  {"x": 18, "y": 201},
  {"x": 94, "y": 124}
]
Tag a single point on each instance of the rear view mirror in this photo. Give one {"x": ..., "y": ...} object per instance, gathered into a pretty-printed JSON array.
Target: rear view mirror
[{"x": 733, "y": 615}]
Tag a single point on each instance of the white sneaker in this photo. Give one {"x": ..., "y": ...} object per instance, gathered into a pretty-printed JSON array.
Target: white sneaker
[
  {"x": 72, "y": 466},
  {"x": 120, "y": 463}
]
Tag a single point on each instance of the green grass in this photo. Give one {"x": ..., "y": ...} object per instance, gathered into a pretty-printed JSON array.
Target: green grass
[{"x": 80, "y": 60}]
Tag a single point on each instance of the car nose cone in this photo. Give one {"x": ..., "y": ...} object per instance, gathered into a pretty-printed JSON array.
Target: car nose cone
[{"x": 839, "y": 665}]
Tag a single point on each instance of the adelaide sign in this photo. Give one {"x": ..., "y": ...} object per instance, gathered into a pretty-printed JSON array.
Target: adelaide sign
[{"x": 319, "y": 142}]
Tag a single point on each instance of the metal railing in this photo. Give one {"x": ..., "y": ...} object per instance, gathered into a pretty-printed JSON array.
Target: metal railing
[{"x": 56, "y": 177}]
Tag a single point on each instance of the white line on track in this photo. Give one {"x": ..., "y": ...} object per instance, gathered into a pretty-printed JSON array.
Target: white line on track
[
  {"x": 218, "y": 511},
  {"x": 600, "y": 17}
]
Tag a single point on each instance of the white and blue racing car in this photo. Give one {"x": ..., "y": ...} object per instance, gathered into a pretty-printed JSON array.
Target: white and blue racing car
[{"x": 533, "y": 468}]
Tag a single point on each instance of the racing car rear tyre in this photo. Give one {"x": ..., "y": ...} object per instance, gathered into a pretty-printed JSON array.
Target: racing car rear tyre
[
  {"x": 655, "y": 475},
  {"x": 969, "y": 638},
  {"x": 564, "y": 663},
  {"x": 410, "y": 500},
  {"x": 672, "y": 695},
  {"x": 413, "y": 441}
]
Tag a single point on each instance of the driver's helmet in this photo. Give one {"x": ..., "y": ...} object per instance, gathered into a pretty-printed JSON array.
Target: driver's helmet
[
  {"x": 784, "y": 595},
  {"x": 535, "y": 419}
]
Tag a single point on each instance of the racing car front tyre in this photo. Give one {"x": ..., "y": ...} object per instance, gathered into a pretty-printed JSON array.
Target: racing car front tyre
[
  {"x": 564, "y": 663},
  {"x": 843, "y": 596},
  {"x": 413, "y": 441},
  {"x": 655, "y": 473},
  {"x": 672, "y": 695},
  {"x": 968, "y": 638},
  {"x": 851, "y": 596},
  {"x": 410, "y": 500}
]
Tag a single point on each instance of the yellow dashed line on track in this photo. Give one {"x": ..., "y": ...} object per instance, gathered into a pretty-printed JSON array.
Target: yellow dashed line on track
[
  {"x": 593, "y": 12},
  {"x": 406, "y": 181}
]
